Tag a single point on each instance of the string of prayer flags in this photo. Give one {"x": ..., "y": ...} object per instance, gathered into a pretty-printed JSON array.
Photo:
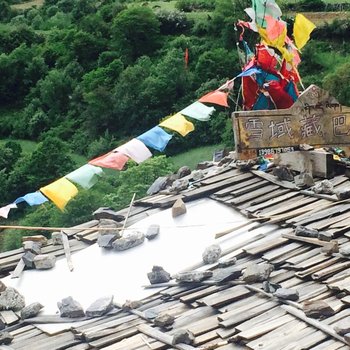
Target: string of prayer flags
[
  {"x": 136, "y": 150},
  {"x": 111, "y": 160},
  {"x": 302, "y": 30},
  {"x": 60, "y": 192},
  {"x": 216, "y": 97},
  {"x": 155, "y": 138},
  {"x": 178, "y": 123},
  {"x": 34, "y": 198},
  {"x": 4, "y": 211},
  {"x": 85, "y": 176},
  {"x": 199, "y": 111}
]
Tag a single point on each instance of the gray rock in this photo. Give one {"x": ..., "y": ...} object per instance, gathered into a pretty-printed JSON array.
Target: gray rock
[
  {"x": 31, "y": 310},
  {"x": 204, "y": 165},
  {"x": 304, "y": 180},
  {"x": 325, "y": 236},
  {"x": 40, "y": 239},
  {"x": 131, "y": 305},
  {"x": 306, "y": 232},
  {"x": 227, "y": 262},
  {"x": 11, "y": 299},
  {"x": 28, "y": 259},
  {"x": 211, "y": 254},
  {"x": 5, "y": 338},
  {"x": 133, "y": 239},
  {"x": 183, "y": 336},
  {"x": 70, "y": 308},
  {"x": 343, "y": 327},
  {"x": 269, "y": 287},
  {"x": 2, "y": 325},
  {"x": 330, "y": 248},
  {"x": 158, "y": 185},
  {"x": 325, "y": 186},
  {"x": 2, "y": 286},
  {"x": 283, "y": 173},
  {"x": 56, "y": 238},
  {"x": 106, "y": 241},
  {"x": 179, "y": 185},
  {"x": 158, "y": 275},
  {"x": 152, "y": 231},
  {"x": 342, "y": 194},
  {"x": 317, "y": 308},
  {"x": 100, "y": 307},
  {"x": 44, "y": 261},
  {"x": 31, "y": 246},
  {"x": 179, "y": 208},
  {"x": 112, "y": 226},
  {"x": 193, "y": 276},
  {"x": 164, "y": 320},
  {"x": 287, "y": 294},
  {"x": 107, "y": 213},
  {"x": 184, "y": 171},
  {"x": 230, "y": 273},
  {"x": 197, "y": 175},
  {"x": 245, "y": 165},
  {"x": 345, "y": 251},
  {"x": 257, "y": 273}
]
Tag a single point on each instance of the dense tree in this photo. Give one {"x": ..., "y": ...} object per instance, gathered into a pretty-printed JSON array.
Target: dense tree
[{"x": 136, "y": 32}]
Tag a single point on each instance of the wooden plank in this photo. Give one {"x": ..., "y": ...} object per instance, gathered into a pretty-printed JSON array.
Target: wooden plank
[
  {"x": 8, "y": 317},
  {"x": 67, "y": 251},
  {"x": 216, "y": 178},
  {"x": 273, "y": 179},
  {"x": 228, "y": 189},
  {"x": 252, "y": 195},
  {"x": 19, "y": 269}
]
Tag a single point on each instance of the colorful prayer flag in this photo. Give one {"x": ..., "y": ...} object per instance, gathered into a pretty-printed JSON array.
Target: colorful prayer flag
[
  {"x": 178, "y": 123},
  {"x": 136, "y": 150},
  {"x": 111, "y": 160},
  {"x": 199, "y": 111},
  {"x": 60, "y": 192},
  {"x": 85, "y": 176},
  {"x": 216, "y": 97},
  {"x": 302, "y": 30},
  {"x": 155, "y": 138},
  {"x": 4, "y": 211},
  {"x": 34, "y": 198}
]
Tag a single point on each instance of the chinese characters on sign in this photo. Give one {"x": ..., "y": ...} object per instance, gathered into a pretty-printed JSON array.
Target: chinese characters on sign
[{"x": 309, "y": 125}]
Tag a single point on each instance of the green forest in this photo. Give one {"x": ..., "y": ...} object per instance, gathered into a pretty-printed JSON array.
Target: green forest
[{"x": 80, "y": 77}]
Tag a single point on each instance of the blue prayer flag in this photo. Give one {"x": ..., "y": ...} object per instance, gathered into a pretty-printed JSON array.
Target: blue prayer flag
[
  {"x": 35, "y": 198},
  {"x": 155, "y": 138}
]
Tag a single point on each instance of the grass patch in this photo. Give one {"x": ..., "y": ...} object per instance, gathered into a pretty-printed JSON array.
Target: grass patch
[
  {"x": 195, "y": 156},
  {"x": 28, "y": 4}
]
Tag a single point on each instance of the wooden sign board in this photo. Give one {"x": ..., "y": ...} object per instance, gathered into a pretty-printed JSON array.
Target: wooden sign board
[{"x": 316, "y": 119}]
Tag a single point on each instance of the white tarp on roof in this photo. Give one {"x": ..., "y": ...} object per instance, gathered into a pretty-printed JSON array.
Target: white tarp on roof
[{"x": 99, "y": 272}]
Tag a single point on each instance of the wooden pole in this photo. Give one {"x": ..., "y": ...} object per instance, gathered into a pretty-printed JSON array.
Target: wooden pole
[{"x": 127, "y": 215}]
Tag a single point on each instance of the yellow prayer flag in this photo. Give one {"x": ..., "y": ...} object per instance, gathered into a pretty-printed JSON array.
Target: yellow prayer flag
[
  {"x": 278, "y": 42},
  {"x": 302, "y": 30},
  {"x": 178, "y": 123},
  {"x": 60, "y": 192}
]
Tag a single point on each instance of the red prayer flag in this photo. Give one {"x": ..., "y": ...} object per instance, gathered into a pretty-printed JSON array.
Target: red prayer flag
[
  {"x": 216, "y": 97},
  {"x": 112, "y": 160},
  {"x": 186, "y": 57}
]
